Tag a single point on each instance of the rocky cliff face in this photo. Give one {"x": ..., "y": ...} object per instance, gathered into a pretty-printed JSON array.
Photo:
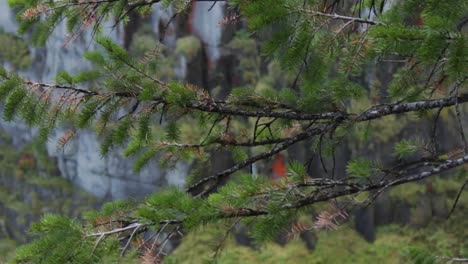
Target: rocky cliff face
[{"x": 109, "y": 177}]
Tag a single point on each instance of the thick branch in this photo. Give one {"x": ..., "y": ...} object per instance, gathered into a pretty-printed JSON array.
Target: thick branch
[
  {"x": 221, "y": 108},
  {"x": 227, "y": 143},
  {"x": 391, "y": 109},
  {"x": 218, "y": 108}
]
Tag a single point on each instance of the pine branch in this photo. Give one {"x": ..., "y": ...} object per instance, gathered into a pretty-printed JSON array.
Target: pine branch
[
  {"x": 357, "y": 188},
  {"x": 450, "y": 164},
  {"x": 457, "y": 198},
  {"x": 374, "y": 112},
  {"x": 316, "y": 197}
]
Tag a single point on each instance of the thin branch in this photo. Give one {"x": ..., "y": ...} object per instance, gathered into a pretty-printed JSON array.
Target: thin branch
[
  {"x": 164, "y": 29},
  {"x": 320, "y": 154},
  {"x": 221, "y": 243},
  {"x": 434, "y": 133},
  {"x": 55, "y": 86},
  {"x": 166, "y": 239},
  {"x": 97, "y": 243},
  {"x": 340, "y": 17},
  {"x": 129, "y": 240},
  {"x": 130, "y": 227},
  {"x": 115, "y": 231},
  {"x": 456, "y": 199}
]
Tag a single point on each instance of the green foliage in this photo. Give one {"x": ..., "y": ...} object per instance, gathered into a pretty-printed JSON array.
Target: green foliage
[
  {"x": 174, "y": 204},
  {"x": 114, "y": 51},
  {"x": 360, "y": 167},
  {"x": 87, "y": 113},
  {"x": 121, "y": 132},
  {"x": 31, "y": 110},
  {"x": 12, "y": 103},
  {"x": 144, "y": 128},
  {"x": 64, "y": 242},
  {"x": 405, "y": 148},
  {"x": 268, "y": 228},
  {"x": 239, "y": 154},
  {"x": 144, "y": 158},
  {"x": 180, "y": 94},
  {"x": 297, "y": 170},
  {"x": 173, "y": 132},
  {"x": 458, "y": 58},
  {"x": 65, "y": 233},
  {"x": 107, "y": 144},
  {"x": 8, "y": 85},
  {"x": 419, "y": 255},
  {"x": 96, "y": 57},
  {"x": 133, "y": 147},
  {"x": 116, "y": 207},
  {"x": 86, "y": 76},
  {"x": 64, "y": 77}
]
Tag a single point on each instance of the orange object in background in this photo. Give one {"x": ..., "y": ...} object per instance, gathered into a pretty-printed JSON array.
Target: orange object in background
[
  {"x": 279, "y": 167},
  {"x": 419, "y": 21}
]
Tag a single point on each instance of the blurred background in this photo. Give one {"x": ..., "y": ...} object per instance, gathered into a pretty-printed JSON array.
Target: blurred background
[{"x": 208, "y": 47}]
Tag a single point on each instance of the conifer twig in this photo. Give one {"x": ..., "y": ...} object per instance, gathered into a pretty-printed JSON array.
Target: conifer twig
[
  {"x": 340, "y": 17},
  {"x": 117, "y": 230},
  {"x": 129, "y": 240},
  {"x": 97, "y": 243},
  {"x": 456, "y": 199}
]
